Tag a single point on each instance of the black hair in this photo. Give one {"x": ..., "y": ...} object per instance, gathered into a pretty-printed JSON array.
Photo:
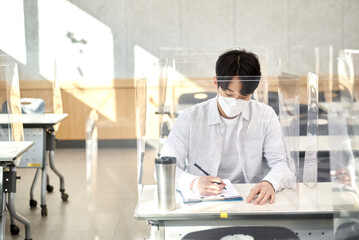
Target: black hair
[{"x": 238, "y": 63}]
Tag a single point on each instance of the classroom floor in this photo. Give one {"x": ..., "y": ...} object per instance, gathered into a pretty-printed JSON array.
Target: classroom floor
[{"x": 101, "y": 210}]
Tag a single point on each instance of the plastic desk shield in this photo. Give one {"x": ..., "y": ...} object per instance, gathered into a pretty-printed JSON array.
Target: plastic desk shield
[
  {"x": 289, "y": 114},
  {"x": 92, "y": 168},
  {"x": 344, "y": 145},
  {"x": 263, "y": 134},
  {"x": 57, "y": 97},
  {"x": 141, "y": 116},
  {"x": 311, "y": 148},
  {"x": 4, "y": 128},
  {"x": 189, "y": 65},
  {"x": 12, "y": 105}
]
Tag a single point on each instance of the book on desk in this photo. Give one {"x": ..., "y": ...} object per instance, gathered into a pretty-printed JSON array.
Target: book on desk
[{"x": 228, "y": 194}]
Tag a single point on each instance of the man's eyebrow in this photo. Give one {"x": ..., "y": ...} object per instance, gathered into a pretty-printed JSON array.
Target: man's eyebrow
[
  {"x": 239, "y": 93},
  {"x": 230, "y": 90}
]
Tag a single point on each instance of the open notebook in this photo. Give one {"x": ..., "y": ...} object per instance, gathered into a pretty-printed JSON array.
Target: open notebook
[{"x": 230, "y": 193}]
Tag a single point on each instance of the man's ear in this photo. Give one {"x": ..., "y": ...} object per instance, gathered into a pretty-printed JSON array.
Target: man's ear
[{"x": 215, "y": 83}]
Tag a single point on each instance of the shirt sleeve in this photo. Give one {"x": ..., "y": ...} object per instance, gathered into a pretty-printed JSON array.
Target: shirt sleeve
[
  {"x": 177, "y": 145},
  {"x": 282, "y": 173}
]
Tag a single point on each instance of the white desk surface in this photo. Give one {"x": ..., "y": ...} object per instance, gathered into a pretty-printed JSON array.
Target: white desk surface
[
  {"x": 9, "y": 151},
  {"x": 306, "y": 200},
  {"x": 46, "y": 119}
]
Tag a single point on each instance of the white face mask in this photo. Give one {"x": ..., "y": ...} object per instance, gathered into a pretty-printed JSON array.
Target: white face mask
[{"x": 232, "y": 107}]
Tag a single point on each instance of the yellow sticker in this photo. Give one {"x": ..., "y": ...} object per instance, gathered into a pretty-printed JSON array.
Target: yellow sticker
[
  {"x": 223, "y": 214},
  {"x": 34, "y": 164}
]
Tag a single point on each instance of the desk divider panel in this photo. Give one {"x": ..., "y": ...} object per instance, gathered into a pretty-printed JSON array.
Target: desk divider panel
[
  {"x": 176, "y": 92},
  {"x": 343, "y": 115},
  {"x": 12, "y": 130}
]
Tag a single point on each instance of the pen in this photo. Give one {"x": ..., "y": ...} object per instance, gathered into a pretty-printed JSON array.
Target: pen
[{"x": 207, "y": 174}]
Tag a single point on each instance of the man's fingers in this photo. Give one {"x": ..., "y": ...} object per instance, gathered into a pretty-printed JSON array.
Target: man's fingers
[
  {"x": 264, "y": 190},
  {"x": 259, "y": 198},
  {"x": 217, "y": 180},
  {"x": 215, "y": 187},
  {"x": 207, "y": 187},
  {"x": 252, "y": 194},
  {"x": 272, "y": 198},
  {"x": 265, "y": 198}
]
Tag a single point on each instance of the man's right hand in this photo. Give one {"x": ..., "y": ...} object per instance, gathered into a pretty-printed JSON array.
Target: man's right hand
[{"x": 208, "y": 185}]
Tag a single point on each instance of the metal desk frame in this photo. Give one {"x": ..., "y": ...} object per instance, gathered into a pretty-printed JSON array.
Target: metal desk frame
[
  {"x": 44, "y": 122},
  {"x": 8, "y": 189},
  {"x": 49, "y": 147},
  {"x": 314, "y": 221}
]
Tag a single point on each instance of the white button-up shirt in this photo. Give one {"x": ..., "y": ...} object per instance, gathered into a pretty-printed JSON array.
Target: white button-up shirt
[{"x": 197, "y": 134}]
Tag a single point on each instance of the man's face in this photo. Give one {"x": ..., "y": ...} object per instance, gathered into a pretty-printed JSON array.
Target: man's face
[{"x": 233, "y": 90}]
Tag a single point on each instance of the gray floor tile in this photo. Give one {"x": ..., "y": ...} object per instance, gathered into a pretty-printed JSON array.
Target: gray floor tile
[{"x": 106, "y": 211}]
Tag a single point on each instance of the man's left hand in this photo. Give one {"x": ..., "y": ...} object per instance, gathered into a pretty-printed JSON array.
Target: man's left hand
[{"x": 264, "y": 190}]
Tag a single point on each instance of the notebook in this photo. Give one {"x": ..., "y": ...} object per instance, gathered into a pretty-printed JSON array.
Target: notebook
[{"x": 228, "y": 194}]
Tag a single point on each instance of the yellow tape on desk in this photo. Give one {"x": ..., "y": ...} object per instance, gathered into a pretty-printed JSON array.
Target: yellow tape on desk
[
  {"x": 223, "y": 215},
  {"x": 34, "y": 164}
]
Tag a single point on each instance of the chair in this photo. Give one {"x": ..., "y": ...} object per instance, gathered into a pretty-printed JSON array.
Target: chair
[
  {"x": 257, "y": 232},
  {"x": 347, "y": 231},
  {"x": 28, "y": 105},
  {"x": 186, "y": 100}
]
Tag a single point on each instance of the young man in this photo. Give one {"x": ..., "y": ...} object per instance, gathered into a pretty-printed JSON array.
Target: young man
[{"x": 229, "y": 135}]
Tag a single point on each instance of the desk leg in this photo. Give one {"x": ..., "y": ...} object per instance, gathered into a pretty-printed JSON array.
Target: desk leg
[
  {"x": 50, "y": 146},
  {"x": 157, "y": 230},
  {"x": 3, "y": 216},
  {"x": 10, "y": 178},
  {"x": 14, "y": 214},
  {"x": 33, "y": 202},
  {"x": 64, "y": 196},
  {"x": 43, "y": 188}
]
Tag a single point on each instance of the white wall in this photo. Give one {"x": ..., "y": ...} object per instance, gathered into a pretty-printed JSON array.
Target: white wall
[{"x": 279, "y": 29}]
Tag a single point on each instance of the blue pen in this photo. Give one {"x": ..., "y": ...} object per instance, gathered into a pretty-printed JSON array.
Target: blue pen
[{"x": 206, "y": 173}]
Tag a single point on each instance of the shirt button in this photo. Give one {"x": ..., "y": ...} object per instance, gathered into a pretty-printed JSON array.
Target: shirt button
[{"x": 222, "y": 139}]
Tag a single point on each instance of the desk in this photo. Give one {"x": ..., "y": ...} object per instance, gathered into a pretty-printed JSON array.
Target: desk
[
  {"x": 10, "y": 151},
  {"x": 308, "y": 210},
  {"x": 40, "y": 129}
]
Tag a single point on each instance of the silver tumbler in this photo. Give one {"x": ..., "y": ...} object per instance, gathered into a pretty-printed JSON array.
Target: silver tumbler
[{"x": 166, "y": 189}]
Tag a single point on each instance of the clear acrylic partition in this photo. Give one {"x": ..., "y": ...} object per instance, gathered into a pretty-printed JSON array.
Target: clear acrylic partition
[
  {"x": 196, "y": 70},
  {"x": 10, "y": 104},
  {"x": 310, "y": 165},
  {"x": 111, "y": 161},
  {"x": 311, "y": 145},
  {"x": 343, "y": 115},
  {"x": 5, "y": 126},
  {"x": 57, "y": 97},
  {"x": 91, "y": 131},
  {"x": 281, "y": 121},
  {"x": 289, "y": 115},
  {"x": 141, "y": 116}
]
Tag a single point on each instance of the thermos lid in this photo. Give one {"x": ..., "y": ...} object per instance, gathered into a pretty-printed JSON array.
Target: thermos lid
[{"x": 165, "y": 160}]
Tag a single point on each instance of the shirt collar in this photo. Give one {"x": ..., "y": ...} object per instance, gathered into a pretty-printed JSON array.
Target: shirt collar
[{"x": 213, "y": 113}]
